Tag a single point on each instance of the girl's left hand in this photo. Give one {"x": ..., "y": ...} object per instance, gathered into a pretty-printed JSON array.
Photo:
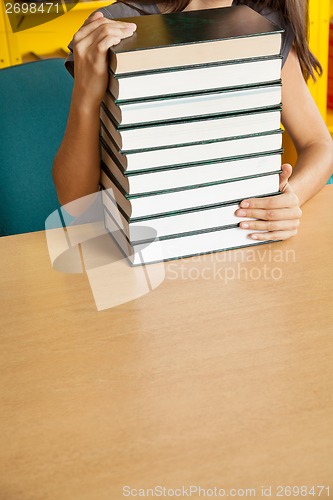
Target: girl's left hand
[{"x": 278, "y": 216}]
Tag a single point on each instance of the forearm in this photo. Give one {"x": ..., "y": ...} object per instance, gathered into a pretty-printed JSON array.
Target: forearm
[
  {"x": 76, "y": 167},
  {"x": 313, "y": 168}
]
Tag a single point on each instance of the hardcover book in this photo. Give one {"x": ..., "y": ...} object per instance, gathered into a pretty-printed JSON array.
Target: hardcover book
[
  {"x": 191, "y": 80},
  {"x": 191, "y": 196},
  {"x": 200, "y": 129},
  {"x": 171, "y": 108},
  {"x": 181, "y": 245},
  {"x": 195, "y": 37},
  {"x": 190, "y": 154},
  {"x": 198, "y": 174}
]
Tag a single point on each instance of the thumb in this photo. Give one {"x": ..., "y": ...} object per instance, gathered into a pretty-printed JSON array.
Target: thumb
[{"x": 284, "y": 176}]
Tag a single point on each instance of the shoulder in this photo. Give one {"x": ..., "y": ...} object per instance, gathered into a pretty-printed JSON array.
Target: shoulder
[
  {"x": 277, "y": 18},
  {"x": 120, "y": 9}
]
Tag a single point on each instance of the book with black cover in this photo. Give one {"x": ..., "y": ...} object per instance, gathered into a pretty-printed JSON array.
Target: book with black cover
[
  {"x": 189, "y": 131},
  {"x": 193, "y": 79},
  {"x": 195, "y": 37},
  {"x": 213, "y": 103},
  {"x": 178, "y": 177},
  {"x": 179, "y": 245},
  {"x": 190, "y": 154},
  {"x": 191, "y": 197},
  {"x": 169, "y": 224}
]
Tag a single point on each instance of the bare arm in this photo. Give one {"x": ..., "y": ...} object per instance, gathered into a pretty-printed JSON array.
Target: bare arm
[
  {"x": 76, "y": 167},
  {"x": 312, "y": 140}
]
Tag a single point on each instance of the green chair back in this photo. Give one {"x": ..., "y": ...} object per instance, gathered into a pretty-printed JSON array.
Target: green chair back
[{"x": 34, "y": 105}]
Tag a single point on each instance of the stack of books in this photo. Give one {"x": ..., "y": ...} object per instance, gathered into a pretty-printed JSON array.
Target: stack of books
[{"x": 190, "y": 126}]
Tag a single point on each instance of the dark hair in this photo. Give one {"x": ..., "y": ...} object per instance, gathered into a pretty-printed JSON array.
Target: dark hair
[{"x": 295, "y": 12}]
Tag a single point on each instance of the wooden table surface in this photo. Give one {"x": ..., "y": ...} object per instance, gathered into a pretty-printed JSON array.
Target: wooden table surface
[{"x": 206, "y": 381}]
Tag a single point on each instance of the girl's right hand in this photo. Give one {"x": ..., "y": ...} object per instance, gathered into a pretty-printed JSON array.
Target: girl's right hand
[{"x": 90, "y": 49}]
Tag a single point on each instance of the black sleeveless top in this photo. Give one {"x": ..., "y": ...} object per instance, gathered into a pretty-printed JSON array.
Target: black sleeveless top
[{"x": 120, "y": 9}]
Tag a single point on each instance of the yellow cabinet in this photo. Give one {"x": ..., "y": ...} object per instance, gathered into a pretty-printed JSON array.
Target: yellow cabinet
[
  {"x": 320, "y": 13},
  {"x": 4, "y": 53},
  {"x": 47, "y": 38}
]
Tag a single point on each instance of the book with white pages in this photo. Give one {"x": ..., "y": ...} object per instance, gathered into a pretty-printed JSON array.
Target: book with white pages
[
  {"x": 222, "y": 34},
  {"x": 191, "y": 80},
  {"x": 170, "y": 224},
  {"x": 200, "y": 129},
  {"x": 171, "y": 108},
  {"x": 192, "y": 196},
  {"x": 173, "y": 156},
  {"x": 198, "y": 174},
  {"x": 180, "y": 246}
]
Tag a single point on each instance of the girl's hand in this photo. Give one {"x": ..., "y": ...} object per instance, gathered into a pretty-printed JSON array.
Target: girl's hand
[
  {"x": 279, "y": 216},
  {"x": 90, "y": 48}
]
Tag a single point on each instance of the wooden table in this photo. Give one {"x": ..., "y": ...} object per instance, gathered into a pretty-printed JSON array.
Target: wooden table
[{"x": 205, "y": 381}]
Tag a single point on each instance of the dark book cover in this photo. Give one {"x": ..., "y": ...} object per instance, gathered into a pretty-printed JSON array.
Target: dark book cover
[{"x": 181, "y": 28}]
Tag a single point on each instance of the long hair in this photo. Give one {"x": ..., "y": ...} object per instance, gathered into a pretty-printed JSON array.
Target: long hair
[{"x": 295, "y": 12}]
